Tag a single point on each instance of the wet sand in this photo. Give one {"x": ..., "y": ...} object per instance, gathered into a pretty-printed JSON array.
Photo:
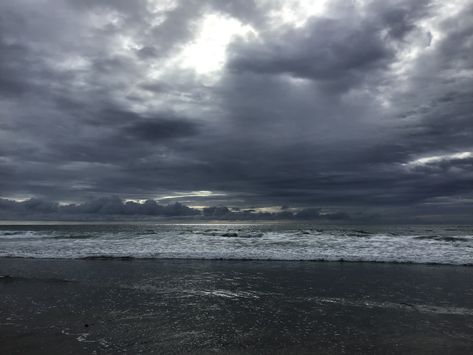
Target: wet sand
[{"x": 235, "y": 307}]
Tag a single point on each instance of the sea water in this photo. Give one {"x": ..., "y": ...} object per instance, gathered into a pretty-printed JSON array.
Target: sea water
[{"x": 255, "y": 241}]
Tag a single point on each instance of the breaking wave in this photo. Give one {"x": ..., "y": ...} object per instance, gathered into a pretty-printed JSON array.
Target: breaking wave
[{"x": 439, "y": 245}]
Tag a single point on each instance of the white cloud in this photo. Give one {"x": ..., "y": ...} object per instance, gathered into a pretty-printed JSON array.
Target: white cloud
[
  {"x": 206, "y": 54},
  {"x": 439, "y": 158},
  {"x": 178, "y": 195},
  {"x": 296, "y": 12}
]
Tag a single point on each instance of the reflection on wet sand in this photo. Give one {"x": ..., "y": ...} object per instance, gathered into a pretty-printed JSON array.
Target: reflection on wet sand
[{"x": 198, "y": 306}]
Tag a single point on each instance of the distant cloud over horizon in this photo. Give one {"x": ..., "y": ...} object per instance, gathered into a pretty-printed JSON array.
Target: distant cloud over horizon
[
  {"x": 353, "y": 107},
  {"x": 116, "y": 208}
]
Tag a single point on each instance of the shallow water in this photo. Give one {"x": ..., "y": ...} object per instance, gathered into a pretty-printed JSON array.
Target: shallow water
[
  {"x": 236, "y": 307},
  {"x": 274, "y": 241}
]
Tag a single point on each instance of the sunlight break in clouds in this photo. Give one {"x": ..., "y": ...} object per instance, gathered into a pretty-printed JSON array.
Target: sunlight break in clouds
[
  {"x": 206, "y": 53},
  {"x": 190, "y": 194},
  {"x": 294, "y": 103},
  {"x": 440, "y": 158}
]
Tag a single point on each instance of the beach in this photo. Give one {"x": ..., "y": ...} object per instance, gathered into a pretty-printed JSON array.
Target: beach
[
  {"x": 236, "y": 177},
  {"x": 112, "y": 305}
]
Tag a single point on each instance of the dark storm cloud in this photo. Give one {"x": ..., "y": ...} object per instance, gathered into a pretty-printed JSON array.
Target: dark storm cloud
[
  {"x": 327, "y": 50},
  {"x": 343, "y": 47},
  {"x": 114, "y": 207},
  {"x": 9, "y": 81},
  {"x": 159, "y": 130},
  {"x": 330, "y": 113}
]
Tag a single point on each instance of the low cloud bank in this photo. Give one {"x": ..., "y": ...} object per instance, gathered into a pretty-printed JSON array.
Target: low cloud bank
[{"x": 114, "y": 208}]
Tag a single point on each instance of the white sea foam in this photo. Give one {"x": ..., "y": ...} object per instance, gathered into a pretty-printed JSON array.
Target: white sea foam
[{"x": 260, "y": 242}]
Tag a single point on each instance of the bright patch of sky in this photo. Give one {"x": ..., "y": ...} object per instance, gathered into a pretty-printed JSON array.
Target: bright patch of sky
[
  {"x": 206, "y": 54},
  {"x": 179, "y": 195},
  {"x": 159, "y": 8},
  {"x": 439, "y": 158},
  {"x": 295, "y": 13}
]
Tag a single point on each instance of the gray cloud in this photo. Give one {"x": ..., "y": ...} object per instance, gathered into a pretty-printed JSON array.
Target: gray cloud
[
  {"x": 159, "y": 130},
  {"x": 325, "y": 50},
  {"x": 323, "y": 115},
  {"x": 104, "y": 208}
]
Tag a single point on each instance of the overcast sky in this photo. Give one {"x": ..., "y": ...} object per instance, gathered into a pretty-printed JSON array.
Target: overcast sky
[{"x": 343, "y": 105}]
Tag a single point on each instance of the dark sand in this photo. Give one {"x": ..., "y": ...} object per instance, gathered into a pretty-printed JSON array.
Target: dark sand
[{"x": 192, "y": 306}]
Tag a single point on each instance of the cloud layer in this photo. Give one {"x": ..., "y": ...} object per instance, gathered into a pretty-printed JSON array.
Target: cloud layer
[
  {"x": 262, "y": 103},
  {"x": 116, "y": 209}
]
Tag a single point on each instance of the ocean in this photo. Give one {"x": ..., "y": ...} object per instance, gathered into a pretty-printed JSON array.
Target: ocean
[
  {"x": 246, "y": 288},
  {"x": 439, "y": 244}
]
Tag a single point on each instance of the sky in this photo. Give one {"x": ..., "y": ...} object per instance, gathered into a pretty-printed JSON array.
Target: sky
[{"x": 359, "y": 108}]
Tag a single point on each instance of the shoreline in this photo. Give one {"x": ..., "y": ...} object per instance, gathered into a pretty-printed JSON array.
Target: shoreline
[{"x": 150, "y": 259}]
